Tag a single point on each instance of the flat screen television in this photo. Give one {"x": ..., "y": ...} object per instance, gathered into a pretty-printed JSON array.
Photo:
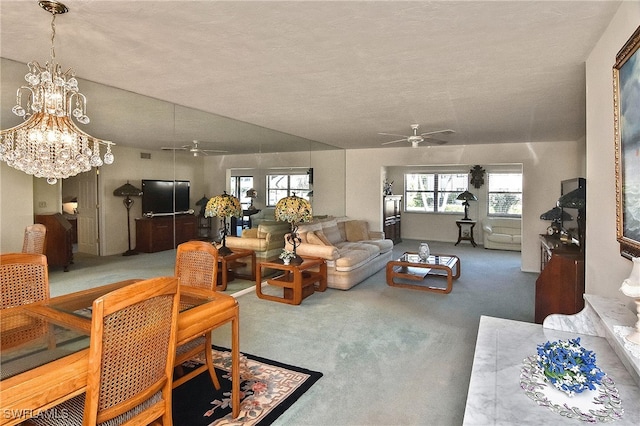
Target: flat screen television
[
  {"x": 165, "y": 196},
  {"x": 570, "y": 226}
]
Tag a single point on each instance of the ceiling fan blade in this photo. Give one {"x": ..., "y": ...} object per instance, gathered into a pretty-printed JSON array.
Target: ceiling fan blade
[
  {"x": 396, "y": 141},
  {"x": 212, "y": 150},
  {"x": 435, "y": 141},
  {"x": 170, "y": 148},
  {"x": 393, "y": 134},
  {"x": 438, "y": 132}
]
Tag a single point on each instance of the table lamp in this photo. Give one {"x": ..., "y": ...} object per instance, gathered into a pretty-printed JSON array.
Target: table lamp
[
  {"x": 631, "y": 288},
  {"x": 556, "y": 215},
  {"x": 576, "y": 199},
  {"x": 466, "y": 196},
  {"x": 251, "y": 193},
  {"x": 223, "y": 206},
  {"x": 202, "y": 202},
  {"x": 127, "y": 190},
  {"x": 293, "y": 209}
]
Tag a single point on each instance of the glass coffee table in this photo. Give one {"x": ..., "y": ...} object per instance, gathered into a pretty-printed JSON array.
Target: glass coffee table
[{"x": 410, "y": 268}]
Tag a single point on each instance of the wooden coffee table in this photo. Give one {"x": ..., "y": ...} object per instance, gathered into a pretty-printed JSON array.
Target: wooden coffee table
[
  {"x": 297, "y": 281},
  {"x": 410, "y": 267}
]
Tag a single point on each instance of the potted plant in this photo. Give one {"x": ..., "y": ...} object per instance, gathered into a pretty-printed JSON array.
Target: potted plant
[{"x": 286, "y": 256}]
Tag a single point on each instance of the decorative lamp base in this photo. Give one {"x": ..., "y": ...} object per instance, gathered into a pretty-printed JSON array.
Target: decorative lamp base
[
  {"x": 224, "y": 251},
  {"x": 635, "y": 336}
]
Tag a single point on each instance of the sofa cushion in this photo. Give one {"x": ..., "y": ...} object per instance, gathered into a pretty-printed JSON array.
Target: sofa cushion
[
  {"x": 383, "y": 245},
  {"x": 331, "y": 231},
  {"x": 356, "y": 230},
  {"x": 351, "y": 259},
  {"x": 500, "y": 238},
  {"x": 312, "y": 238}
]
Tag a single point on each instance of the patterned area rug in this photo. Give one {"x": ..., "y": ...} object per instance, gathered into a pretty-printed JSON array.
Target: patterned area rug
[{"x": 268, "y": 388}]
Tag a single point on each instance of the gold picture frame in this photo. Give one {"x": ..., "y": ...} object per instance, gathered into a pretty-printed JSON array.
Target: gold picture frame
[{"x": 626, "y": 105}]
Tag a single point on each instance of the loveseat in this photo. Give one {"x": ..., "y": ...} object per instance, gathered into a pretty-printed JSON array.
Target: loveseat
[
  {"x": 353, "y": 252},
  {"x": 502, "y": 233},
  {"x": 266, "y": 240}
]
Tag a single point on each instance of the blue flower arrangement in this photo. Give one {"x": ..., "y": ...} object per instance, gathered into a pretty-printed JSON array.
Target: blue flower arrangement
[{"x": 568, "y": 366}]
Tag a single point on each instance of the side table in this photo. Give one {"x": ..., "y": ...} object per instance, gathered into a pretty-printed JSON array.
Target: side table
[
  {"x": 227, "y": 264},
  {"x": 297, "y": 281},
  {"x": 466, "y": 234}
]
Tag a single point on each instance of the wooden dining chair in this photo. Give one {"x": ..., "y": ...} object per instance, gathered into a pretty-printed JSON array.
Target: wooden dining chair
[
  {"x": 34, "y": 239},
  {"x": 196, "y": 266},
  {"x": 131, "y": 353},
  {"x": 24, "y": 278}
]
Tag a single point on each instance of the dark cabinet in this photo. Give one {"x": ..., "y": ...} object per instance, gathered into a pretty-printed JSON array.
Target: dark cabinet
[
  {"x": 392, "y": 215},
  {"x": 59, "y": 239},
  {"x": 157, "y": 233},
  {"x": 560, "y": 286}
]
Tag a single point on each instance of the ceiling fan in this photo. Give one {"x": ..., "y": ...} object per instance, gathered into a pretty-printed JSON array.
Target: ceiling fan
[
  {"x": 415, "y": 139},
  {"x": 192, "y": 149}
]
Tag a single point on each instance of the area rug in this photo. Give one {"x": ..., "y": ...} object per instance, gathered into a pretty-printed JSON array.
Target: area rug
[{"x": 267, "y": 390}]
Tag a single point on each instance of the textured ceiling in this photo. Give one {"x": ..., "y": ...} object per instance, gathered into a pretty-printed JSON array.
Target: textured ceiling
[{"x": 333, "y": 72}]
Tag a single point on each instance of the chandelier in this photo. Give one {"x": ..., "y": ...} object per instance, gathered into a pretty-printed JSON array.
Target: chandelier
[{"x": 49, "y": 143}]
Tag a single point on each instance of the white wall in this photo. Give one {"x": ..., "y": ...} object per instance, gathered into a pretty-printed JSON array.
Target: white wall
[
  {"x": 605, "y": 268},
  {"x": 16, "y": 207},
  {"x": 545, "y": 164}
]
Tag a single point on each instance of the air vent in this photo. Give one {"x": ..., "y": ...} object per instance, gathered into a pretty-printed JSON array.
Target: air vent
[{"x": 145, "y": 155}]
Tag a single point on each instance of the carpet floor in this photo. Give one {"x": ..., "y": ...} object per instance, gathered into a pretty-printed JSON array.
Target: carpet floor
[{"x": 267, "y": 389}]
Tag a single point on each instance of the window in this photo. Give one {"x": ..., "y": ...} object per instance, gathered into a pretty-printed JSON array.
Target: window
[
  {"x": 434, "y": 192},
  {"x": 239, "y": 187},
  {"x": 505, "y": 194},
  {"x": 280, "y": 186}
]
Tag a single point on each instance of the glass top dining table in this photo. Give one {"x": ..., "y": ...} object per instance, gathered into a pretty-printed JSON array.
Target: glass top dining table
[{"x": 41, "y": 338}]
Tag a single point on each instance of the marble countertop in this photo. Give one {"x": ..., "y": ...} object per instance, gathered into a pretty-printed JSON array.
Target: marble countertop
[{"x": 495, "y": 396}]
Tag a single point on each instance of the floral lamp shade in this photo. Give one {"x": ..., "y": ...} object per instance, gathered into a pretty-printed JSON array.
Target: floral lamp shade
[
  {"x": 293, "y": 209},
  {"x": 223, "y": 206}
]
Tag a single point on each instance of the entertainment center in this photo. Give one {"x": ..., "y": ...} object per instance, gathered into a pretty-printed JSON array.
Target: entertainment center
[{"x": 167, "y": 220}]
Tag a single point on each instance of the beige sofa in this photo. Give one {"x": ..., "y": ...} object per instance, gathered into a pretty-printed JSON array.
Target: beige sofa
[
  {"x": 266, "y": 240},
  {"x": 353, "y": 252},
  {"x": 502, "y": 233}
]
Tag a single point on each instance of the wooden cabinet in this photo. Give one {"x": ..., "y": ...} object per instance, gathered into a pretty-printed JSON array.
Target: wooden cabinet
[
  {"x": 157, "y": 233},
  {"x": 59, "y": 239},
  {"x": 560, "y": 286},
  {"x": 392, "y": 215}
]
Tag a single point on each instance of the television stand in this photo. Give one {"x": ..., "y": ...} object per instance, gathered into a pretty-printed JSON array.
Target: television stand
[{"x": 157, "y": 233}]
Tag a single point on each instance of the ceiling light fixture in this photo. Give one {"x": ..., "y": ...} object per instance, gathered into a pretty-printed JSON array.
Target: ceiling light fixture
[{"x": 48, "y": 143}]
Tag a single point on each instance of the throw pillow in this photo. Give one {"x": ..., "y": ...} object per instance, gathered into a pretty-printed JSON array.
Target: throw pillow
[
  {"x": 323, "y": 238},
  {"x": 356, "y": 230},
  {"x": 312, "y": 238},
  {"x": 330, "y": 229}
]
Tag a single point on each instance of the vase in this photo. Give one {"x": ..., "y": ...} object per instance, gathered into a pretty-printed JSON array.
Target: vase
[
  {"x": 423, "y": 251},
  {"x": 286, "y": 261}
]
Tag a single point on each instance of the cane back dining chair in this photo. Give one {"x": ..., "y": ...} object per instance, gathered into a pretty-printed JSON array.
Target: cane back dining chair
[
  {"x": 196, "y": 266},
  {"x": 34, "y": 239},
  {"x": 131, "y": 353},
  {"x": 24, "y": 279}
]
